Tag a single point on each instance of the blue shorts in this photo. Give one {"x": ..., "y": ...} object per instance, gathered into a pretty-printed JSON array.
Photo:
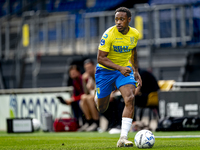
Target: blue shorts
[{"x": 107, "y": 79}]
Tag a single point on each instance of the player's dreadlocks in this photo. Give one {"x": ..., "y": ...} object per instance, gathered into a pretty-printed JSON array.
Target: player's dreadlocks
[{"x": 124, "y": 9}]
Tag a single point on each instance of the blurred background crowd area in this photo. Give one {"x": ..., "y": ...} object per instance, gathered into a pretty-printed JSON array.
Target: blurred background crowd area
[{"x": 39, "y": 40}]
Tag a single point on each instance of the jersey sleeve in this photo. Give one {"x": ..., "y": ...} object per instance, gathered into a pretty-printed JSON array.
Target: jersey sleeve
[{"x": 106, "y": 41}]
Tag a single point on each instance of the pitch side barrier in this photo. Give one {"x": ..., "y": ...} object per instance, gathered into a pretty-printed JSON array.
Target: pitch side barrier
[
  {"x": 32, "y": 103},
  {"x": 182, "y": 101}
]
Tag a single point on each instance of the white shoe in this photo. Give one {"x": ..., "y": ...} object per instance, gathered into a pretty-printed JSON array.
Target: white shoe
[
  {"x": 123, "y": 142},
  {"x": 114, "y": 131},
  {"x": 92, "y": 127},
  {"x": 84, "y": 127}
]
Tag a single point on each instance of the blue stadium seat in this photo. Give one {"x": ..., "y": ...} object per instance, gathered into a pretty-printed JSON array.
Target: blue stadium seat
[
  {"x": 165, "y": 16},
  {"x": 3, "y": 8},
  {"x": 49, "y": 5}
]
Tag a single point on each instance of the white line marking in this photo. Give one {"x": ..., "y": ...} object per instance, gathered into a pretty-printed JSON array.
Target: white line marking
[{"x": 179, "y": 136}]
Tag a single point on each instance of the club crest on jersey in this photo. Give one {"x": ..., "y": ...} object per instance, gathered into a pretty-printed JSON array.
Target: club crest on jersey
[
  {"x": 105, "y": 36},
  {"x": 132, "y": 40},
  {"x": 102, "y": 42}
]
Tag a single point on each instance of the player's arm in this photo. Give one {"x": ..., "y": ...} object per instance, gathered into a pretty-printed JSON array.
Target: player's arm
[
  {"x": 103, "y": 60},
  {"x": 134, "y": 62}
]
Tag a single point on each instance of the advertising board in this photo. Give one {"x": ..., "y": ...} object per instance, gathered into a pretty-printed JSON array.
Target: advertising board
[{"x": 31, "y": 105}]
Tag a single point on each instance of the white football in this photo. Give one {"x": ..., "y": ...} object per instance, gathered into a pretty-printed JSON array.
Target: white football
[
  {"x": 36, "y": 124},
  {"x": 144, "y": 139}
]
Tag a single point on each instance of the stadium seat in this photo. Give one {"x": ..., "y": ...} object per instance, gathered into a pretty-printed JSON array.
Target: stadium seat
[
  {"x": 3, "y": 8},
  {"x": 165, "y": 85},
  {"x": 152, "y": 99}
]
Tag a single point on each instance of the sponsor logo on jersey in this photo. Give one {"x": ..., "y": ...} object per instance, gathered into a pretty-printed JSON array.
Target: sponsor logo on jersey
[
  {"x": 119, "y": 38},
  {"x": 121, "y": 49},
  {"x": 102, "y": 42},
  {"x": 105, "y": 36},
  {"x": 118, "y": 42}
]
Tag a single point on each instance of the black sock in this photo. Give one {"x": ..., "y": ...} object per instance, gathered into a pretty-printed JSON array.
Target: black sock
[
  {"x": 97, "y": 122},
  {"x": 89, "y": 121}
]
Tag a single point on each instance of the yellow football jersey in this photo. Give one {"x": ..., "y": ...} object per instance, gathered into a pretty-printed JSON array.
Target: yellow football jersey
[{"x": 118, "y": 45}]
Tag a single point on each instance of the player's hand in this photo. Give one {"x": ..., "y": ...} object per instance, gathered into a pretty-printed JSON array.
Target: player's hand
[
  {"x": 69, "y": 101},
  {"x": 138, "y": 78},
  {"x": 125, "y": 71}
]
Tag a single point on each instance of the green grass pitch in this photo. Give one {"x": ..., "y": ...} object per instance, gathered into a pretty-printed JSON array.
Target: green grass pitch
[{"x": 94, "y": 140}]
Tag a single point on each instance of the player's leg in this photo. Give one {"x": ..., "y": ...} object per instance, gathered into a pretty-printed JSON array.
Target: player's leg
[
  {"x": 94, "y": 114},
  {"x": 105, "y": 80},
  {"x": 84, "y": 106},
  {"x": 127, "y": 92},
  {"x": 126, "y": 85},
  {"x": 91, "y": 105},
  {"x": 102, "y": 103}
]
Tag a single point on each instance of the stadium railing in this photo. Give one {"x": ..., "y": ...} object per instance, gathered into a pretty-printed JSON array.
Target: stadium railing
[
  {"x": 160, "y": 25},
  {"x": 79, "y": 34},
  {"x": 188, "y": 85},
  {"x": 37, "y": 90}
]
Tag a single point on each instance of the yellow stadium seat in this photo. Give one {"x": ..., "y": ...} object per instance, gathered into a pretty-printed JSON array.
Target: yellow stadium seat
[
  {"x": 152, "y": 99},
  {"x": 165, "y": 85}
]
